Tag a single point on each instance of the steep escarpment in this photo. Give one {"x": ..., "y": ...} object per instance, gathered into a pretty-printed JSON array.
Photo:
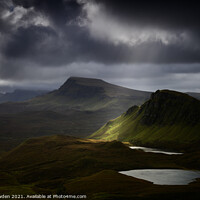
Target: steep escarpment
[
  {"x": 170, "y": 107},
  {"x": 168, "y": 119}
]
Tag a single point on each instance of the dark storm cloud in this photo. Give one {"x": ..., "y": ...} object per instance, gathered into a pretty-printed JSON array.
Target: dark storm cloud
[
  {"x": 65, "y": 43},
  {"x": 167, "y": 14},
  {"x": 4, "y": 26},
  {"x": 60, "y": 11},
  {"x": 36, "y": 42},
  {"x": 40, "y": 39},
  {"x": 27, "y": 42},
  {"x": 44, "y": 46}
]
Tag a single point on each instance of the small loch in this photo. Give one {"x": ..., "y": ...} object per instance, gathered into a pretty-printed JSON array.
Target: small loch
[
  {"x": 164, "y": 176},
  {"x": 153, "y": 150}
]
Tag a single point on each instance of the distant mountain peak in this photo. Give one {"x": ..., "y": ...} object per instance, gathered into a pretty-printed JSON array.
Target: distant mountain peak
[
  {"x": 83, "y": 81},
  {"x": 77, "y": 78},
  {"x": 79, "y": 87}
]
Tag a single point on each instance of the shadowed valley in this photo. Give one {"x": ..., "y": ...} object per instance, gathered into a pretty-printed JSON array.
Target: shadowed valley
[
  {"x": 67, "y": 165},
  {"x": 79, "y": 107},
  {"x": 33, "y": 163}
]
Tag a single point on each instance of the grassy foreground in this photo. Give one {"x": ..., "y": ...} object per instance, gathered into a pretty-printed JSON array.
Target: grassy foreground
[{"x": 66, "y": 165}]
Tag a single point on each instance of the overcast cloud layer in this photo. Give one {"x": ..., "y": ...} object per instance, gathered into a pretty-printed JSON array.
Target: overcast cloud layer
[{"x": 146, "y": 45}]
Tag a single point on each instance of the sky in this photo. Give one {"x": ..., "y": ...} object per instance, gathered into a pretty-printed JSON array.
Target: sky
[{"x": 144, "y": 45}]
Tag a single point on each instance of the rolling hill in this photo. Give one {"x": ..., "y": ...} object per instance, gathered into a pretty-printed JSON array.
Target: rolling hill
[
  {"x": 78, "y": 108},
  {"x": 168, "y": 120},
  {"x": 61, "y": 164}
]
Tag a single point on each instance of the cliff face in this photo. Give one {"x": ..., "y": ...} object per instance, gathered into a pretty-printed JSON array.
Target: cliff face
[
  {"x": 169, "y": 107},
  {"x": 168, "y": 119}
]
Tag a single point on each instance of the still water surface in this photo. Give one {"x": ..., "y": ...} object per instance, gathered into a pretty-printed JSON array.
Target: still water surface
[
  {"x": 152, "y": 150},
  {"x": 164, "y": 176}
]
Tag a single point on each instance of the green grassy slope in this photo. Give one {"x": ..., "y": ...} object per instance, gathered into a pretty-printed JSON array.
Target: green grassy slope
[
  {"x": 66, "y": 165},
  {"x": 168, "y": 120},
  {"x": 47, "y": 162},
  {"x": 15, "y": 128},
  {"x": 79, "y": 107}
]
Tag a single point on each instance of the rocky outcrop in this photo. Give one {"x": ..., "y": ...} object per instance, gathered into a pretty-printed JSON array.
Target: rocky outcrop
[{"x": 169, "y": 107}]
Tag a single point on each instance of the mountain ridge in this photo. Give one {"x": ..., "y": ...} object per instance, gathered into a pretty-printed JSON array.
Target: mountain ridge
[
  {"x": 86, "y": 93},
  {"x": 84, "y": 104},
  {"x": 169, "y": 119},
  {"x": 164, "y": 100},
  {"x": 99, "y": 83}
]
